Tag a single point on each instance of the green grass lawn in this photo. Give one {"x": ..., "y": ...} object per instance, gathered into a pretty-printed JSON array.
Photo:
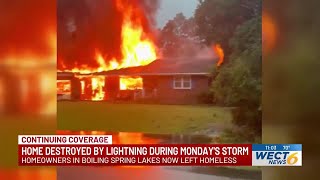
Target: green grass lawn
[{"x": 139, "y": 117}]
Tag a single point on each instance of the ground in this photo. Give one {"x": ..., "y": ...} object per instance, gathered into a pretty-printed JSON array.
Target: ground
[
  {"x": 139, "y": 117},
  {"x": 11, "y": 127}
]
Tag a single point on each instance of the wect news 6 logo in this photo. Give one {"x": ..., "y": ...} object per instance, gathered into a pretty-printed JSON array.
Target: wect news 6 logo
[{"x": 276, "y": 155}]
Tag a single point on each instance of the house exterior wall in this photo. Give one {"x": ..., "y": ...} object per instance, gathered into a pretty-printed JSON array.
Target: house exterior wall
[
  {"x": 166, "y": 93},
  {"x": 162, "y": 86}
]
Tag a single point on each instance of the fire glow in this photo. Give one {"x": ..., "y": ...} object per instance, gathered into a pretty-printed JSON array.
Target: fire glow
[
  {"x": 92, "y": 87},
  {"x": 63, "y": 87},
  {"x": 219, "y": 51},
  {"x": 269, "y": 33},
  {"x": 35, "y": 78},
  {"x": 137, "y": 49},
  {"x": 97, "y": 88},
  {"x": 130, "y": 83}
]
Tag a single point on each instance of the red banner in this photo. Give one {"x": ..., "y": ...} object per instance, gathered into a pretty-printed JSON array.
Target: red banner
[{"x": 136, "y": 155}]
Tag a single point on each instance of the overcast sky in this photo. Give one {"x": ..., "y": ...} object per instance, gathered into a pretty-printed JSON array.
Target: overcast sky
[{"x": 169, "y": 8}]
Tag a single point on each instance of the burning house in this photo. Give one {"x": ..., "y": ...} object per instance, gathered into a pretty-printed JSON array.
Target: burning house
[
  {"x": 117, "y": 59},
  {"x": 168, "y": 81}
]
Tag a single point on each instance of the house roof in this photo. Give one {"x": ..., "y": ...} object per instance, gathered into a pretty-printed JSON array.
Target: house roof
[
  {"x": 65, "y": 74},
  {"x": 188, "y": 66}
]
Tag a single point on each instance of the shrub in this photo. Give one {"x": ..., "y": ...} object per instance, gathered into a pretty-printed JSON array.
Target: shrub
[{"x": 205, "y": 98}]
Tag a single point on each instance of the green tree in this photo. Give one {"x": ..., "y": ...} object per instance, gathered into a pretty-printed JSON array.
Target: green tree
[
  {"x": 217, "y": 19},
  {"x": 238, "y": 83},
  {"x": 178, "y": 37}
]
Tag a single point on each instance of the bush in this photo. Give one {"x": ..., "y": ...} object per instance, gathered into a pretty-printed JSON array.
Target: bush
[
  {"x": 205, "y": 98},
  {"x": 240, "y": 134}
]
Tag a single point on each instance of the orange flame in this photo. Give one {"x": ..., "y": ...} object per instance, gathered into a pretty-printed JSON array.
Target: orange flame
[
  {"x": 63, "y": 86},
  {"x": 137, "y": 47},
  {"x": 130, "y": 83},
  {"x": 219, "y": 51},
  {"x": 92, "y": 87},
  {"x": 97, "y": 87}
]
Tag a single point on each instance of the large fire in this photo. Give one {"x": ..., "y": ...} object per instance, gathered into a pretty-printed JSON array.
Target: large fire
[
  {"x": 137, "y": 49},
  {"x": 92, "y": 87}
]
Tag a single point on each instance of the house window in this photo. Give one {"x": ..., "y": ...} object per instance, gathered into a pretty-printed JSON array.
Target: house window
[
  {"x": 131, "y": 83},
  {"x": 182, "y": 82}
]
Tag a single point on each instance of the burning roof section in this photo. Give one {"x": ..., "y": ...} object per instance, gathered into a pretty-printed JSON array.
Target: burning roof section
[
  {"x": 167, "y": 67},
  {"x": 161, "y": 67}
]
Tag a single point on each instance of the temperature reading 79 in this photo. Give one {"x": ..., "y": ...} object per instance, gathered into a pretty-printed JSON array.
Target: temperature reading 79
[{"x": 286, "y": 148}]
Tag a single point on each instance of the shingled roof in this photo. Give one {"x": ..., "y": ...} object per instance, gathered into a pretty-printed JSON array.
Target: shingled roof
[{"x": 167, "y": 67}]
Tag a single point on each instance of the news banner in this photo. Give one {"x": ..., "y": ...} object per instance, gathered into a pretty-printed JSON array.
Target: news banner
[{"x": 98, "y": 150}]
